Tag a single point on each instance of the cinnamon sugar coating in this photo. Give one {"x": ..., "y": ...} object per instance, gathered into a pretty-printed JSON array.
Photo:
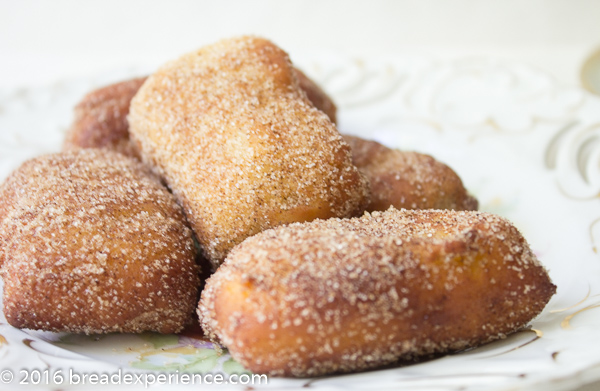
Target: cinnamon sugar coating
[
  {"x": 408, "y": 180},
  {"x": 241, "y": 146},
  {"x": 92, "y": 242},
  {"x": 101, "y": 116},
  {"x": 101, "y": 119},
  {"x": 344, "y": 295}
]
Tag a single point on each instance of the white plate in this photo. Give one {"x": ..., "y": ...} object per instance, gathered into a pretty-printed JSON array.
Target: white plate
[{"x": 527, "y": 148}]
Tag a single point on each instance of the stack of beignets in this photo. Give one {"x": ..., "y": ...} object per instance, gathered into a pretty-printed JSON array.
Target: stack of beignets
[
  {"x": 91, "y": 240},
  {"x": 402, "y": 179}
]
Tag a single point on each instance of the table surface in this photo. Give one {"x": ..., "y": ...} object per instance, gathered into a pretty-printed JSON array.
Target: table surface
[{"x": 43, "y": 42}]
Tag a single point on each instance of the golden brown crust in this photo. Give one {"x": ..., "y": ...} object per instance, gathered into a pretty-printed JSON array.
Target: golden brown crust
[
  {"x": 342, "y": 295},
  {"x": 408, "y": 180},
  {"x": 101, "y": 119},
  {"x": 94, "y": 243},
  {"x": 241, "y": 146}
]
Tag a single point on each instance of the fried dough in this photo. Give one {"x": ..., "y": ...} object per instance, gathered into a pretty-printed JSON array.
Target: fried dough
[
  {"x": 101, "y": 116},
  {"x": 101, "y": 119},
  {"x": 408, "y": 180},
  {"x": 241, "y": 146},
  {"x": 94, "y": 243},
  {"x": 343, "y": 295}
]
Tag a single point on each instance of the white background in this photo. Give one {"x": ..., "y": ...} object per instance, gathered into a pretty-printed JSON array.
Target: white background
[{"x": 44, "y": 41}]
